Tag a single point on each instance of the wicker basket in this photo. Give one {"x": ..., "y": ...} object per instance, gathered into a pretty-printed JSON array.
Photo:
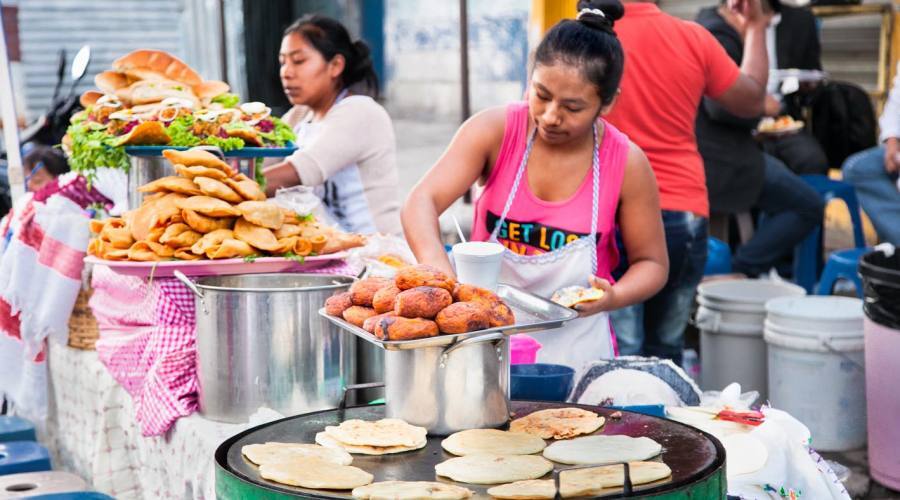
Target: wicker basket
[{"x": 83, "y": 330}]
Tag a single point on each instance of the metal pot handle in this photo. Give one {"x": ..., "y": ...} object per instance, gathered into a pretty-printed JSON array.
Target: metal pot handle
[
  {"x": 356, "y": 387},
  {"x": 188, "y": 283},
  {"x": 472, "y": 340}
]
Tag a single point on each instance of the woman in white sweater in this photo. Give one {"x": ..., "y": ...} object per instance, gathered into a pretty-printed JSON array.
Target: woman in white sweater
[{"x": 345, "y": 139}]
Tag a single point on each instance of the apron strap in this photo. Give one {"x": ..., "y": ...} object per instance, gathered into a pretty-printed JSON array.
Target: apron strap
[{"x": 595, "y": 168}]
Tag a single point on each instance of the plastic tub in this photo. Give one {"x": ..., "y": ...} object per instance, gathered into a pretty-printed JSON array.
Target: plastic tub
[
  {"x": 523, "y": 349},
  {"x": 730, "y": 319},
  {"x": 541, "y": 382},
  {"x": 881, "y": 283},
  {"x": 816, "y": 367}
]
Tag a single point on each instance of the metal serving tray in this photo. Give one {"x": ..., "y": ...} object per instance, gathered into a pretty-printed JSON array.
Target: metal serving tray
[{"x": 533, "y": 314}]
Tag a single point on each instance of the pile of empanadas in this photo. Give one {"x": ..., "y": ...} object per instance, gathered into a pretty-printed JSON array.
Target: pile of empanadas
[
  {"x": 209, "y": 211},
  {"x": 420, "y": 302}
]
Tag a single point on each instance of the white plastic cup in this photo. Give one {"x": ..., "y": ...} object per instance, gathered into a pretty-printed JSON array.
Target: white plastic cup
[{"x": 478, "y": 263}]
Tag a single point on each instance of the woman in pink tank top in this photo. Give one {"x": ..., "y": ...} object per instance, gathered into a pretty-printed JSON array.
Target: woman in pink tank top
[{"x": 558, "y": 182}]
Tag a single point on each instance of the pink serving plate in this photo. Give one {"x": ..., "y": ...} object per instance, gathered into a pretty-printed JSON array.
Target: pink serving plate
[{"x": 165, "y": 268}]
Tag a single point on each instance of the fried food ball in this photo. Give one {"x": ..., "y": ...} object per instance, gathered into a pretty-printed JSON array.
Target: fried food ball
[
  {"x": 357, "y": 315},
  {"x": 463, "y": 317},
  {"x": 363, "y": 291},
  {"x": 397, "y": 328},
  {"x": 383, "y": 300},
  {"x": 337, "y": 304},
  {"x": 422, "y": 302},
  {"x": 423, "y": 275},
  {"x": 370, "y": 324},
  {"x": 500, "y": 313}
]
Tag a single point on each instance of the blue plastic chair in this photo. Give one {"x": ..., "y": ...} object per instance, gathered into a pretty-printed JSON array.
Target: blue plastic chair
[
  {"x": 16, "y": 429},
  {"x": 718, "y": 257},
  {"x": 842, "y": 265},
  {"x": 23, "y": 456},
  {"x": 808, "y": 255}
]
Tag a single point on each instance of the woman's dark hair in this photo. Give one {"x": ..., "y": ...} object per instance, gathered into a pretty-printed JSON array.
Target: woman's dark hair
[
  {"x": 590, "y": 43},
  {"x": 330, "y": 38},
  {"x": 53, "y": 159}
]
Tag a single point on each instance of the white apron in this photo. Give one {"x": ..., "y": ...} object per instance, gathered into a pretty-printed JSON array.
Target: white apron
[{"x": 581, "y": 340}]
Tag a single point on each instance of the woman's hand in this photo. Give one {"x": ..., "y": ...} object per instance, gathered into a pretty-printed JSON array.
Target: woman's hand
[
  {"x": 606, "y": 303},
  {"x": 891, "y": 148}
]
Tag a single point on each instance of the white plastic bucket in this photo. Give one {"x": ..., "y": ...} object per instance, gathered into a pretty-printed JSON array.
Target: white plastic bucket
[
  {"x": 730, "y": 319},
  {"x": 816, "y": 367}
]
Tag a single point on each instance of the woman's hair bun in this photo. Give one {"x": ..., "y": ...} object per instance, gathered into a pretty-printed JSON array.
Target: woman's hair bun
[
  {"x": 600, "y": 14},
  {"x": 362, "y": 50}
]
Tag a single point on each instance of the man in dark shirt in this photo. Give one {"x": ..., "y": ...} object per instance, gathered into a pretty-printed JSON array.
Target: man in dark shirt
[{"x": 740, "y": 176}]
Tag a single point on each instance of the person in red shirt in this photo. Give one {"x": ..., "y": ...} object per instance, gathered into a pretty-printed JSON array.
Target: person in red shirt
[{"x": 670, "y": 64}]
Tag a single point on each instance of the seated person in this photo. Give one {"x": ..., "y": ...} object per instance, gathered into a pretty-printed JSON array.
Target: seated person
[
  {"x": 796, "y": 46},
  {"x": 43, "y": 165},
  {"x": 873, "y": 172},
  {"x": 739, "y": 176}
]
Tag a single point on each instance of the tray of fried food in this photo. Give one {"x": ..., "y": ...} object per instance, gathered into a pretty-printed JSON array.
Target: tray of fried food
[
  {"x": 424, "y": 307},
  {"x": 209, "y": 212}
]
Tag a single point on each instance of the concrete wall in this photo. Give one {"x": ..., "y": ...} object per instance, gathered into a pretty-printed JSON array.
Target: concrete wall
[{"x": 423, "y": 56}]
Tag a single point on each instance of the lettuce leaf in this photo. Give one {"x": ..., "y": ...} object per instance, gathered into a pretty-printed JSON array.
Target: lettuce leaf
[
  {"x": 93, "y": 148},
  {"x": 281, "y": 135},
  {"x": 225, "y": 143},
  {"x": 181, "y": 132},
  {"x": 227, "y": 100}
]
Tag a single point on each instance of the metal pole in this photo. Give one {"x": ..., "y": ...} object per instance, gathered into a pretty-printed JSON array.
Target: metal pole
[
  {"x": 14, "y": 167},
  {"x": 223, "y": 38},
  {"x": 464, "y": 57}
]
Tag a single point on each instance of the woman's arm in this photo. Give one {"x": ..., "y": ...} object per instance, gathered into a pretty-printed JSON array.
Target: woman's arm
[
  {"x": 640, "y": 222},
  {"x": 455, "y": 172}
]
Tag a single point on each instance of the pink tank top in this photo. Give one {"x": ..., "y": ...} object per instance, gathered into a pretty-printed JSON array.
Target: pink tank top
[{"x": 535, "y": 226}]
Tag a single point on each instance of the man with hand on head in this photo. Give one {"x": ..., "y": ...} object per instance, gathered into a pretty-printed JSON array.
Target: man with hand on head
[{"x": 671, "y": 65}]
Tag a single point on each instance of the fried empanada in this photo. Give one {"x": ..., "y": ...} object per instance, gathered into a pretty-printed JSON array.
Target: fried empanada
[
  {"x": 424, "y": 275},
  {"x": 150, "y": 132},
  {"x": 203, "y": 224},
  {"x": 110, "y": 253},
  {"x": 229, "y": 249},
  {"x": 286, "y": 245},
  {"x": 318, "y": 243},
  {"x": 217, "y": 189},
  {"x": 197, "y": 157},
  {"x": 258, "y": 236},
  {"x": 154, "y": 213},
  {"x": 156, "y": 233},
  {"x": 291, "y": 217},
  {"x": 363, "y": 291},
  {"x": 287, "y": 230},
  {"x": 97, "y": 225},
  {"x": 207, "y": 205},
  {"x": 342, "y": 241},
  {"x": 421, "y": 302},
  {"x": 179, "y": 236},
  {"x": 302, "y": 247},
  {"x": 384, "y": 299},
  {"x": 198, "y": 171},
  {"x": 210, "y": 240},
  {"x": 148, "y": 251},
  {"x": 262, "y": 213},
  {"x": 172, "y": 183},
  {"x": 357, "y": 315},
  {"x": 463, "y": 317},
  {"x": 247, "y": 188},
  {"x": 186, "y": 254},
  {"x": 117, "y": 237}
]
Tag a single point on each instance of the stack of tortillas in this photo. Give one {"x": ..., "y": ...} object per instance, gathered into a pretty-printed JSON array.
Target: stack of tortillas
[
  {"x": 492, "y": 442},
  {"x": 584, "y": 482},
  {"x": 373, "y": 438},
  {"x": 271, "y": 452},
  {"x": 493, "y": 469},
  {"x": 601, "y": 450},
  {"x": 411, "y": 490},
  {"x": 558, "y": 423}
]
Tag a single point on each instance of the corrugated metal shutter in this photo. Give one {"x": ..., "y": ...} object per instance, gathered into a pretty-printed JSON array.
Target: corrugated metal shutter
[
  {"x": 111, "y": 27},
  {"x": 849, "y": 44}
]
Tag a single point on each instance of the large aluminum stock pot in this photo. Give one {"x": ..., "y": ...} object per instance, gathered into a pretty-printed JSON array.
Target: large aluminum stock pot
[
  {"x": 449, "y": 389},
  {"x": 260, "y": 342}
]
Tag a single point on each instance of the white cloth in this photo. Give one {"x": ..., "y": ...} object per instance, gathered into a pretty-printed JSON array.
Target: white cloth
[
  {"x": 91, "y": 431},
  {"x": 582, "y": 340},
  {"x": 890, "y": 117}
]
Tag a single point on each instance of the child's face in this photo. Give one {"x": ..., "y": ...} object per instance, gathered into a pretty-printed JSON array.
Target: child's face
[
  {"x": 38, "y": 178},
  {"x": 563, "y": 104}
]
